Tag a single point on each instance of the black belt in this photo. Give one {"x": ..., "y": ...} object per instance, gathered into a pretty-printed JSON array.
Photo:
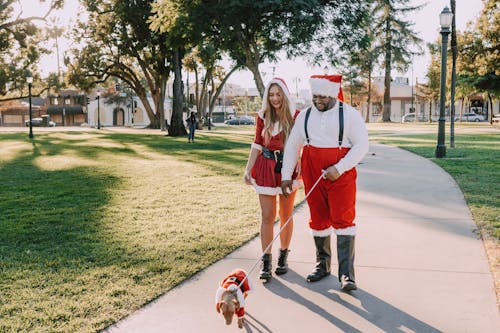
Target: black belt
[{"x": 276, "y": 155}]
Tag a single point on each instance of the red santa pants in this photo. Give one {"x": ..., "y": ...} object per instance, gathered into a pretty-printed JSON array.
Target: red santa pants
[{"x": 331, "y": 204}]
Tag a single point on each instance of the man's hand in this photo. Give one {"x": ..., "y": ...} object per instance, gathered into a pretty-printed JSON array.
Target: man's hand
[
  {"x": 332, "y": 174},
  {"x": 286, "y": 187}
]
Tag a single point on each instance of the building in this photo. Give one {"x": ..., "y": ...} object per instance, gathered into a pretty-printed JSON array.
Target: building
[{"x": 67, "y": 108}]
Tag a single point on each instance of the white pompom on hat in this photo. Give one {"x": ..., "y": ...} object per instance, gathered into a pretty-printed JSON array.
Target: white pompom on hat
[
  {"x": 281, "y": 83},
  {"x": 326, "y": 85}
]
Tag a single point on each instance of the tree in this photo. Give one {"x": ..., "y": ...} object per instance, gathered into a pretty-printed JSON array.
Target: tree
[
  {"x": 479, "y": 57},
  {"x": 396, "y": 39},
  {"x": 117, "y": 43},
  {"x": 268, "y": 27},
  {"x": 432, "y": 89},
  {"x": 19, "y": 50},
  {"x": 454, "y": 53},
  {"x": 358, "y": 53}
]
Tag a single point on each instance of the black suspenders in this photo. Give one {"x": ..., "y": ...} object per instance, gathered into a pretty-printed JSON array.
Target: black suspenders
[{"x": 341, "y": 123}]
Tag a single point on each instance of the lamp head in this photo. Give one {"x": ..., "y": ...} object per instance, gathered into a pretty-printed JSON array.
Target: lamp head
[
  {"x": 445, "y": 18},
  {"x": 29, "y": 79}
]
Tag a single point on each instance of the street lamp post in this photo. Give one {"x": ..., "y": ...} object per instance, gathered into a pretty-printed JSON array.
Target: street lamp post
[
  {"x": 445, "y": 21},
  {"x": 98, "y": 110},
  {"x": 29, "y": 79}
]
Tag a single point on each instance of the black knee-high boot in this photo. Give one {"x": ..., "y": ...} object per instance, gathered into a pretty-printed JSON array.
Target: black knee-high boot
[
  {"x": 323, "y": 259},
  {"x": 265, "y": 272},
  {"x": 345, "y": 255},
  {"x": 282, "y": 264}
]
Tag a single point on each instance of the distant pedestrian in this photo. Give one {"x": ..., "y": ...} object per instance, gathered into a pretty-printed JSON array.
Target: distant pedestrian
[
  {"x": 334, "y": 139},
  {"x": 263, "y": 170},
  {"x": 191, "y": 120}
]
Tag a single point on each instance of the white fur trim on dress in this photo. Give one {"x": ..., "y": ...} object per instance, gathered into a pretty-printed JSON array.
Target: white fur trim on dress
[
  {"x": 257, "y": 146},
  {"x": 288, "y": 96},
  {"x": 324, "y": 87},
  {"x": 349, "y": 231},
  {"x": 273, "y": 190}
]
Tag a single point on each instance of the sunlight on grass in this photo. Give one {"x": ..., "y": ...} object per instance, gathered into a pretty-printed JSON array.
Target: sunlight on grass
[
  {"x": 62, "y": 162},
  {"x": 12, "y": 149}
]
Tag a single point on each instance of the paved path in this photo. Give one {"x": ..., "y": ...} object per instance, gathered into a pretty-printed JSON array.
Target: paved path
[{"x": 419, "y": 267}]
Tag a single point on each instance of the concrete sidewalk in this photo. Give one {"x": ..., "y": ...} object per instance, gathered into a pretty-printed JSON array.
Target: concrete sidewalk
[{"x": 419, "y": 267}]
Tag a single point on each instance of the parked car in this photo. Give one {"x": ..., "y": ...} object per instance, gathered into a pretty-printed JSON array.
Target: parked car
[
  {"x": 38, "y": 122},
  {"x": 411, "y": 117},
  {"x": 470, "y": 116},
  {"x": 243, "y": 120}
]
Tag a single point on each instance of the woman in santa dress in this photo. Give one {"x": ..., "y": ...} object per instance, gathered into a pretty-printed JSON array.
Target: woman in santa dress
[{"x": 263, "y": 170}]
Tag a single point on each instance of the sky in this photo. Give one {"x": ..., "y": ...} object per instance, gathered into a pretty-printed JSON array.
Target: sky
[{"x": 296, "y": 72}]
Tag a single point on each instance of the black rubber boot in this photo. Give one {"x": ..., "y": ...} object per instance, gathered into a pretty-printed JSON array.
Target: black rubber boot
[
  {"x": 345, "y": 255},
  {"x": 265, "y": 272},
  {"x": 282, "y": 267},
  {"x": 323, "y": 259}
]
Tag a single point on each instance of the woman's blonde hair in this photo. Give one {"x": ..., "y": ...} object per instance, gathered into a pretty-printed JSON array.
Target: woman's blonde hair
[{"x": 283, "y": 116}]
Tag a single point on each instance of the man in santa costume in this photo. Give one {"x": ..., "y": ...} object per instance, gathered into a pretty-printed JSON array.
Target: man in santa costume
[{"x": 334, "y": 140}]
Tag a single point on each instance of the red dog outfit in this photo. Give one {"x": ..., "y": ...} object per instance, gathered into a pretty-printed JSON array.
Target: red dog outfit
[{"x": 232, "y": 283}]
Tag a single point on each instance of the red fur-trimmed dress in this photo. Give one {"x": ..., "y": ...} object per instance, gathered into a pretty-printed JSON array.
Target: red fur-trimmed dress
[{"x": 264, "y": 179}]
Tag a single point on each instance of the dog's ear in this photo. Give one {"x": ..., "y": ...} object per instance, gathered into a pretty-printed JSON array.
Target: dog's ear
[{"x": 217, "y": 306}]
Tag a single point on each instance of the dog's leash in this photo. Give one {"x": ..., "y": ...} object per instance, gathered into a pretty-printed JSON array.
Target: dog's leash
[{"x": 322, "y": 176}]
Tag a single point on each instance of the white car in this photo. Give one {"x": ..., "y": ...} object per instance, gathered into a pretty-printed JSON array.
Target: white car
[
  {"x": 470, "y": 116},
  {"x": 411, "y": 117},
  {"x": 38, "y": 122}
]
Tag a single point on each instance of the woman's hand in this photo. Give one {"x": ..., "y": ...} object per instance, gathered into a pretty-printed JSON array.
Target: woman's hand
[{"x": 247, "y": 177}]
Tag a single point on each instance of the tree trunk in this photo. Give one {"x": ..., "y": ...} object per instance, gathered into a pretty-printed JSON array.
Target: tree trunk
[
  {"x": 490, "y": 111},
  {"x": 386, "y": 114},
  {"x": 369, "y": 101},
  {"x": 177, "y": 127},
  {"x": 254, "y": 68},
  {"x": 453, "y": 74},
  {"x": 430, "y": 111}
]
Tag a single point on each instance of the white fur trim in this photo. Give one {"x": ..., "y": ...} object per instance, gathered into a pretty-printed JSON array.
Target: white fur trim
[
  {"x": 349, "y": 231},
  {"x": 257, "y": 146},
  {"x": 324, "y": 87},
  {"x": 240, "y": 297},
  {"x": 231, "y": 288},
  {"x": 273, "y": 190},
  {"x": 322, "y": 233},
  {"x": 218, "y": 294},
  {"x": 281, "y": 84}
]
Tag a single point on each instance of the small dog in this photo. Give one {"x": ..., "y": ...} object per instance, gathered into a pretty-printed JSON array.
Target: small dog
[{"x": 231, "y": 294}]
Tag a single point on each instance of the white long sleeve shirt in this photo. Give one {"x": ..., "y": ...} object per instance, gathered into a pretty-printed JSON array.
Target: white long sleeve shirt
[{"x": 323, "y": 130}]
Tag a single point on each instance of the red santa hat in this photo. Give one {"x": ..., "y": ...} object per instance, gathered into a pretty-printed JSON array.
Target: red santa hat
[
  {"x": 281, "y": 83},
  {"x": 327, "y": 85}
]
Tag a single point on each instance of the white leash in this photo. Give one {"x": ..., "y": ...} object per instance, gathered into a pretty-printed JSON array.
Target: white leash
[{"x": 322, "y": 176}]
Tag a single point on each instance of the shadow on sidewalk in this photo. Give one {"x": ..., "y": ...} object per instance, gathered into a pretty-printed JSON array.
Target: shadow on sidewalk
[{"x": 376, "y": 311}]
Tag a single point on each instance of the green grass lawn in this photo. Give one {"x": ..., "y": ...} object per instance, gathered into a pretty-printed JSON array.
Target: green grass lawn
[{"x": 93, "y": 225}]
